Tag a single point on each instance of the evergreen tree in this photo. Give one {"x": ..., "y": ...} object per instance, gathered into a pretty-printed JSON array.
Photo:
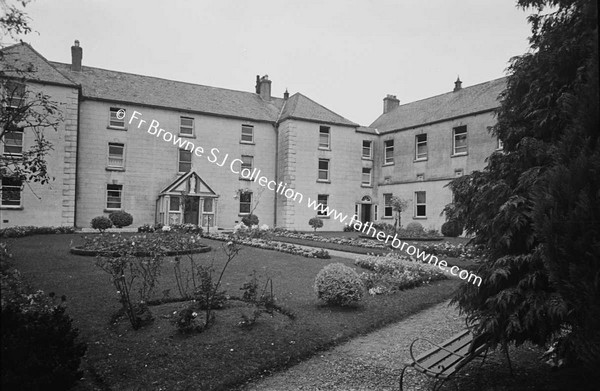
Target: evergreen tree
[{"x": 536, "y": 205}]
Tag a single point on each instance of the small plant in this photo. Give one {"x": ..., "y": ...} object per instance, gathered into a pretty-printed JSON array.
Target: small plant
[
  {"x": 133, "y": 273},
  {"x": 250, "y": 220},
  {"x": 315, "y": 222},
  {"x": 348, "y": 228},
  {"x": 101, "y": 223},
  {"x": 120, "y": 218},
  {"x": 262, "y": 303},
  {"x": 338, "y": 284},
  {"x": 451, "y": 229}
]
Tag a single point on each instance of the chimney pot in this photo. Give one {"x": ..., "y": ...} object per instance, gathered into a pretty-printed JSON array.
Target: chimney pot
[
  {"x": 264, "y": 87},
  {"x": 390, "y": 102},
  {"x": 457, "y": 84},
  {"x": 286, "y": 94},
  {"x": 76, "y": 56}
]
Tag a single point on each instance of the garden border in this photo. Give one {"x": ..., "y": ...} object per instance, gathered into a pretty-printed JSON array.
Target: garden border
[{"x": 204, "y": 248}]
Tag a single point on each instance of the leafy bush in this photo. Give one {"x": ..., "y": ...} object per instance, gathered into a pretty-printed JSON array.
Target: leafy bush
[
  {"x": 21, "y": 231},
  {"x": 338, "y": 284},
  {"x": 120, "y": 218},
  {"x": 415, "y": 227},
  {"x": 101, "y": 223},
  {"x": 451, "y": 229},
  {"x": 250, "y": 220},
  {"x": 39, "y": 348},
  {"x": 315, "y": 222},
  {"x": 348, "y": 228}
]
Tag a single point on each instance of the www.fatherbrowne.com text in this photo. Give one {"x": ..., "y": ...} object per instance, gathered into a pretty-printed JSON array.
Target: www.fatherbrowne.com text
[{"x": 215, "y": 156}]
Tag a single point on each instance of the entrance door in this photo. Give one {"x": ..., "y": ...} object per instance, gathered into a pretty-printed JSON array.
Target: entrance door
[
  {"x": 365, "y": 213},
  {"x": 192, "y": 204}
]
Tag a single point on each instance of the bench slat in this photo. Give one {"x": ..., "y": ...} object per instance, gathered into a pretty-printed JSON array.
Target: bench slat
[
  {"x": 448, "y": 344},
  {"x": 442, "y": 364}
]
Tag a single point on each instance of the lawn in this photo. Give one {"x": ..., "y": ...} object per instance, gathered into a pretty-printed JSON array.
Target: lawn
[{"x": 157, "y": 357}]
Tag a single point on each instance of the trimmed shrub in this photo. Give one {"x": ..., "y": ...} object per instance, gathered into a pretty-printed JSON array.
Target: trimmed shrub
[
  {"x": 250, "y": 220},
  {"x": 338, "y": 284},
  {"x": 315, "y": 222},
  {"x": 348, "y": 228},
  {"x": 120, "y": 218},
  {"x": 415, "y": 227},
  {"x": 451, "y": 229},
  {"x": 101, "y": 223}
]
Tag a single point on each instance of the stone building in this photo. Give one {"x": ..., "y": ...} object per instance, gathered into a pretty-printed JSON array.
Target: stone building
[{"x": 168, "y": 151}]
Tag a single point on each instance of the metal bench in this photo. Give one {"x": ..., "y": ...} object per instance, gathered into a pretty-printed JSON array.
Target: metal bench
[{"x": 443, "y": 361}]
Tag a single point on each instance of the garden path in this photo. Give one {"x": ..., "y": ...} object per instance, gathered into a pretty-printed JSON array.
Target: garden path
[{"x": 370, "y": 362}]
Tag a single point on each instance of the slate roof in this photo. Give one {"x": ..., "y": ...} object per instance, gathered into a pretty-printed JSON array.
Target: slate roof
[
  {"x": 124, "y": 87},
  {"x": 473, "y": 99},
  {"x": 21, "y": 60},
  {"x": 299, "y": 106}
]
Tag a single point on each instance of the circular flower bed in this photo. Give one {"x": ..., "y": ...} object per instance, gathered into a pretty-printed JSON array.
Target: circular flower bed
[{"x": 138, "y": 245}]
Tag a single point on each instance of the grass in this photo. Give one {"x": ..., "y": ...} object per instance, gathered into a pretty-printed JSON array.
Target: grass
[{"x": 157, "y": 357}]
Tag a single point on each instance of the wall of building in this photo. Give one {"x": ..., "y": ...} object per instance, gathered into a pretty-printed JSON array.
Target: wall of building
[
  {"x": 299, "y": 155},
  {"x": 151, "y": 163},
  {"x": 51, "y": 204},
  {"x": 441, "y": 166}
]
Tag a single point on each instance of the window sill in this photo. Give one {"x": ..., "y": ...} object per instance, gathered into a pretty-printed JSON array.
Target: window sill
[
  {"x": 324, "y": 148},
  {"x": 420, "y": 160},
  {"x": 247, "y": 142},
  {"x": 367, "y": 158},
  {"x": 186, "y": 135},
  {"x": 323, "y": 217},
  {"x": 387, "y": 164},
  {"x": 420, "y": 218},
  {"x": 323, "y": 181},
  {"x": 459, "y": 154},
  {"x": 367, "y": 186},
  {"x": 115, "y": 169},
  {"x": 116, "y": 128},
  {"x": 387, "y": 217},
  {"x": 111, "y": 209},
  {"x": 243, "y": 214},
  {"x": 245, "y": 179},
  {"x": 10, "y": 207}
]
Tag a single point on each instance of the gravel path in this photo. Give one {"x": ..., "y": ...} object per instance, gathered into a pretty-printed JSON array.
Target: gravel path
[{"x": 370, "y": 362}]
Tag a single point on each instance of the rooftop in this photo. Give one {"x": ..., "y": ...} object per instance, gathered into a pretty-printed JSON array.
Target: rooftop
[{"x": 478, "y": 98}]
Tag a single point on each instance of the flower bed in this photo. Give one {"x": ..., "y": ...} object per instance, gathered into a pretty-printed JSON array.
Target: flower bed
[
  {"x": 271, "y": 245},
  {"x": 392, "y": 272},
  {"x": 169, "y": 243},
  {"x": 366, "y": 243},
  {"x": 453, "y": 250},
  {"x": 19, "y": 232}
]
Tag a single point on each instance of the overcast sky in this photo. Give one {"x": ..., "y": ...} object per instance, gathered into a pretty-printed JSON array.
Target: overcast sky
[{"x": 344, "y": 54}]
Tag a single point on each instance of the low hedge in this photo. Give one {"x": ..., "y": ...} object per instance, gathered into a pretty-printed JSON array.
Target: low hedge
[{"x": 28, "y": 230}]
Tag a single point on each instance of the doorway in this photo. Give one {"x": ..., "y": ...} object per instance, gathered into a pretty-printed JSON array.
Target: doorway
[
  {"x": 365, "y": 213},
  {"x": 192, "y": 207}
]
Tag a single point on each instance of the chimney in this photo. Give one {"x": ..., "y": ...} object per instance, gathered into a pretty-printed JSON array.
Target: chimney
[
  {"x": 390, "y": 102},
  {"x": 457, "y": 84},
  {"x": 263, "y": 87},
  {"x": 76, "y": 56},
  {"x": 286, "y": 94}
]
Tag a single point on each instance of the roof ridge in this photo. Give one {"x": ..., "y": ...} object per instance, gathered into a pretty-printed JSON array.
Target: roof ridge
[
  {"x": 449, "y": 92},
  {"x": 162, "y": 78}
]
